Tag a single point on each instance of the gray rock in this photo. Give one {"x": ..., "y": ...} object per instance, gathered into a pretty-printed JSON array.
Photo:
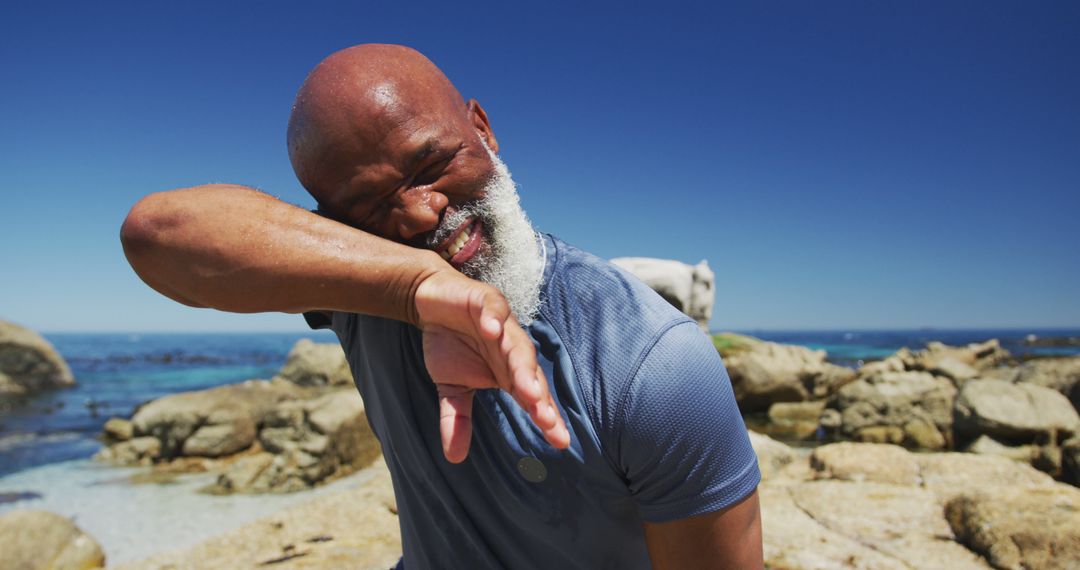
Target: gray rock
[
  {"x": 1015, "y": 413},
  {"x": 307, "y": 442},
  {"x": 28, "y": 363},
  {"x": 32, "y": 540},
  {"x": 764, "y": 373},
  {"x": 316, "y": 364},
  {"x": 689, "y": 288},
  {"x": 1020, "y": 528},
  {"x": 238, "y": 407},
  {"x": 1060, "y": 374},
  {"x": 912, "y": 408}
]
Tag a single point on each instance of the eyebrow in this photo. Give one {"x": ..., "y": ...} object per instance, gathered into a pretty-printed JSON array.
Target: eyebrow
[{"x": 430, "y": 147}]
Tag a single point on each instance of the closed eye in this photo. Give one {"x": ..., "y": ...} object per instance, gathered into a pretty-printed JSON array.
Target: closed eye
[{"x": 431, "y": 173}]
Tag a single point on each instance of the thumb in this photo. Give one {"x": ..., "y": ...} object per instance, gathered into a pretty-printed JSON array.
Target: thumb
[{"x": 455, "y": 421}]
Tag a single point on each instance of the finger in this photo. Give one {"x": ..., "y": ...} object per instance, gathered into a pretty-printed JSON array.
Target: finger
[
  {"x": 455, "y": 423},
  {"x": 519, "y": 375},
  {"x": 556, "y": 432},
  {"x": 493, "y": 312}
]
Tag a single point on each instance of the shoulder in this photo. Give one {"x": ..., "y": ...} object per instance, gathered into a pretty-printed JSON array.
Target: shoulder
[{"x": 607, "y": 320}]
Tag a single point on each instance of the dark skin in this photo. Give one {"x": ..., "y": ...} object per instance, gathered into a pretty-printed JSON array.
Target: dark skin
[{"x": 386, "y": 145}]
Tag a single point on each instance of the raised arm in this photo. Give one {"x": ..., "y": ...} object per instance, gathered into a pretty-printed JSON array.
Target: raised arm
[{"x": 236, "y": 249}]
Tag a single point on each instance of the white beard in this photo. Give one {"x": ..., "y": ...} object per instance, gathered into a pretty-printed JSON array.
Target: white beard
[{"x": 511, "y": 257}]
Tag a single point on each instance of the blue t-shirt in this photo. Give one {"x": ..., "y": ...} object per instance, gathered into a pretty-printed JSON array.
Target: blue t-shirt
[{"x": 655, "y": 432}]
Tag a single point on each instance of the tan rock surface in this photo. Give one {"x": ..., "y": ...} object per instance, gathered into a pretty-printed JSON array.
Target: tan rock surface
[
  {"x": 354, "y": 529},
  {"x": 29, "y": 363},
  {"x": 872, "y": 462},
  {"x": 32, "y": 540},
  {"x": 1021, "y": 528},
  {"x": 316, "y": 364}
]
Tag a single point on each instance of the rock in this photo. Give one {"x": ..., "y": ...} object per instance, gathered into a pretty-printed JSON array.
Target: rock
[
  {"x": 793, "y": 540},
  {"x": 912, "y": 408},
  {"x": 986, "y": 445},
  {"x": 950, "y": 474},
  {"x": 220, "y": 420},
  {"x": 28, "y": 363},
  {"x": 764, "y": 373},
  {"x": 865, "y": 462},
  {"x": 221, "y": 439},
  {"x": 308, "y": 442},
  {"x": 1070, "y": 461},
  {"x": 956, "y": 363},
  {"x": 1015, "y": 413},
  {"x": 772, "y": 455},
  {"x": 903, "y": 523},
  {"x": 1020, "y": 528},
  {"x": 689, "y": 288},
  {"x": 798, "y": 420},
  {"x": 118, "y": 429},
  {"x": 316, "y": 364},
  {"x": 135, "y": 451},
  {"x": 953, "y": 369},
  {"x": 1061, "y": 374},
  {"x": 353, "y": 528},
  {"x": 31, "y": 540},
  {"x": 880, "y": 434}
]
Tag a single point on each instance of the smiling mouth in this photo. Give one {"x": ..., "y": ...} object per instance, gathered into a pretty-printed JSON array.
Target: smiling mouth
[{"x": 463, "y": 245}]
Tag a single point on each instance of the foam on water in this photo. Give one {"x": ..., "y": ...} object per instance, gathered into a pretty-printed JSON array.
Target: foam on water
[{"x": 132, "y": 522}]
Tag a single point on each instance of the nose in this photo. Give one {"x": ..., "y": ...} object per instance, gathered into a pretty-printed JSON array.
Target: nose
[{"x": 419, "y": 212}]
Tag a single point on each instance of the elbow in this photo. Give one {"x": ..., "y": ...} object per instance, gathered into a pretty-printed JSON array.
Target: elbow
[{"x": 145, "y": 227}]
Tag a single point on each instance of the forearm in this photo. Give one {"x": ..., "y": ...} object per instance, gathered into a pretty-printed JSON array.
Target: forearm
[{"x": 236, "y": 249}]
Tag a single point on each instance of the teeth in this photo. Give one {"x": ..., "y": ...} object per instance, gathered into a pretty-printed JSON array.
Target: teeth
[{"x": 457, "y": 244}]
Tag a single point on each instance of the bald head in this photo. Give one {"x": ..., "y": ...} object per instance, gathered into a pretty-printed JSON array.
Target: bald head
[{"x": 353, "y": 103}]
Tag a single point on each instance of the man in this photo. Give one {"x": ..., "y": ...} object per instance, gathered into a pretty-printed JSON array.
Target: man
[{"x": 614, "y": 440}]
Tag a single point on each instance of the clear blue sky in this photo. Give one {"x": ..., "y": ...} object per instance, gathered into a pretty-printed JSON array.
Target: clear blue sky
[{"x": 840, "y": 164}]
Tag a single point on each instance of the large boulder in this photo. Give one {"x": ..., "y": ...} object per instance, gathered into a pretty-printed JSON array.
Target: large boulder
[
  {"x": 763, "y": 373},
  {"x": 1020, "y": 528},
  {"x": 211, "y": 423},
  {"x": 31, "y": 540},
  {"x": 1061, "y": 374},
  {"x": 316, "y": 364},
  {"x": 306, "y": 443},
  {"x": 902, "y": 407},
  {"x": 28, "y": 363},
  {"x": 1013, "y": 413},
  {"x": 904, "y": 523},
  {"x": 689, "y": 288}
]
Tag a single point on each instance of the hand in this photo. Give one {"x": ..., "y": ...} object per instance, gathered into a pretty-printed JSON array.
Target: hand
[{"x": 472, "y": 341}]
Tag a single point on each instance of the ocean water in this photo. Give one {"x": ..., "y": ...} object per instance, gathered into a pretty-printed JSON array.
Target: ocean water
[{"x": 118, "y": 372}]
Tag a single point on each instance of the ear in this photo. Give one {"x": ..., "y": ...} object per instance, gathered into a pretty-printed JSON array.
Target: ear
[{"x": 483, "y": 127}]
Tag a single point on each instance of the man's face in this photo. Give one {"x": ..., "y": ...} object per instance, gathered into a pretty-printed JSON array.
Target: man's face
[{"x": 435, "y": 184}]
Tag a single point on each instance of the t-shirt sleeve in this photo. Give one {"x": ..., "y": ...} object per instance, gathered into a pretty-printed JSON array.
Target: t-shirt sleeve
[
  {"x": 683, "y": 447},
  {"x": 319, "y": 320}
]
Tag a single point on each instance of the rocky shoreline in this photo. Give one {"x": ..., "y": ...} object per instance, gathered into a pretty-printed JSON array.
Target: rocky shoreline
[
  {"x": 942, "y": 457},
  {"x": 975, "y": 398}
]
